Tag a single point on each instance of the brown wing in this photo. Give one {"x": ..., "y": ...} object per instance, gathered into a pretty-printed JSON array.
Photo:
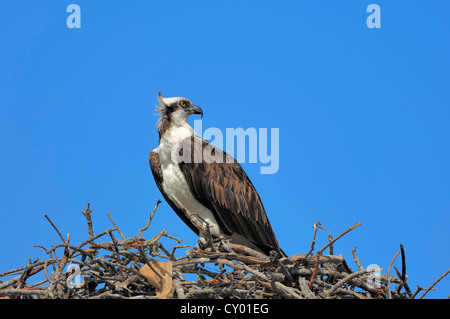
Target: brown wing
[
  {"x": 219, "y": 183},
  {"x": 155, "y": 166}
]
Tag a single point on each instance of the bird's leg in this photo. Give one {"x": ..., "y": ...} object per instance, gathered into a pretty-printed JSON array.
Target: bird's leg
[
  {"x": 205, "y": 237},
  {"x": 274, "y": 258},
  {"x": 200, "y": 223}
]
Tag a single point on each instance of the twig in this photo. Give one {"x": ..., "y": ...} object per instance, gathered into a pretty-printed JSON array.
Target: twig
[
  {"x": 331, "y": 248},
  {"x": 87, "y": 213},
  {"x": 115, "y": 226},
  {"x": 23, "y": 291},
  {"x": 10, "y": 282},
  {"x": 149, "y": 219},
  {"x": 403, "y": 277},
  {"x": 54, "y": 287},
  {"x": 389, "y": 274},
  {"x": 145, "y": 259},
  {"x": 319, "y": 252},
  {"x": 51, "y": 223},
  {"x": 350, "y": 277},
  {"x": 419, "y": 289},
  {"x": 356, "y": 260},
  {"x": 313, "y": 241},
  {"x": 434, "y": 283},
  {"x": 304, "y": 287}
]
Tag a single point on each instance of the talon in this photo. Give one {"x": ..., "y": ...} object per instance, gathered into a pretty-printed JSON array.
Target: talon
[{"x": 202, "y": 243}]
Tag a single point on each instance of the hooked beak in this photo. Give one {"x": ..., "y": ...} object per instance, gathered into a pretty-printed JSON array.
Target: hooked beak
[{"x": 196, "y": 110}]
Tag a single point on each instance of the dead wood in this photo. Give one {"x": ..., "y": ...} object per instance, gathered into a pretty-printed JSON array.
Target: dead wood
[{"x": 139, "y": 268}]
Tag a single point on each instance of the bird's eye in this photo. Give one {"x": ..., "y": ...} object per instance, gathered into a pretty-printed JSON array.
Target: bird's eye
[{"x": 183, "y": 103}]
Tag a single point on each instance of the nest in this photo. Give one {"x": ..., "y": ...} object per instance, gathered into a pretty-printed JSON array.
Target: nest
[{"x": 139, "y": 268}]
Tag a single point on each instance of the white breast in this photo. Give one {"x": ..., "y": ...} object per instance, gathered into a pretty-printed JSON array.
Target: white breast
[{"x": 173, "y": 178}]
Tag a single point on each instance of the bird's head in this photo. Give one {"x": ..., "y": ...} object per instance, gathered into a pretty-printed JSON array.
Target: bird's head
[{"x": 177, "y": 109}]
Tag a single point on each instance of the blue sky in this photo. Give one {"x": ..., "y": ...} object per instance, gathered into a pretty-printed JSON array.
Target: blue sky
[{"x": 363, "y": 116}]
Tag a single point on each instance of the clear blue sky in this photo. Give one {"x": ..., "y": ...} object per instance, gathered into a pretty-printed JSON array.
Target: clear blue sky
[{"x": 363, "y": 116}]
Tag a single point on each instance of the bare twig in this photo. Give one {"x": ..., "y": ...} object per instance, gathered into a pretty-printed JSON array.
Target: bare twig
[
  {"x": 331, "y": 242},
  {"x": 51, "y": 223},
  {"x": 319, "y": 252},
  {"x": 348, "y": 278},
  {"x": 149, "y": 219},
  {"x": 87, "y": 213},
  {"x": 389, "y": 274},
  {"x": 313, "y": 241},
  {"x": 434, "y": 283},
  {"x": 356, "y": 260},
  {"x": 115, "y": 226}
]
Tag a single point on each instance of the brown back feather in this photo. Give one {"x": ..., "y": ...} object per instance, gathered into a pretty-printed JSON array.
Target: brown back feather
[{"x": 220, "y": 184}]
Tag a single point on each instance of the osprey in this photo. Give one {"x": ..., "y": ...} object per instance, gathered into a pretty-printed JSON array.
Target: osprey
[{"x": 206, "y": 181}]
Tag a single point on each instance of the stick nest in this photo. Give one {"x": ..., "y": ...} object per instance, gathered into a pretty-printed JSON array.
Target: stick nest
[{"x": 138, "y": 268}]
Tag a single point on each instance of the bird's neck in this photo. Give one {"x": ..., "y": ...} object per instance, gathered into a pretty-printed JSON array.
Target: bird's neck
[
  {"x": 163, "y": 125},
  {"x": 171, "y": 131},
  {"x": 172, "y": 120}
]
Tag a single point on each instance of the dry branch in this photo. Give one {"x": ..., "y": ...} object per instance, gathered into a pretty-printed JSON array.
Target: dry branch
[{"x": 139, "y": 268}]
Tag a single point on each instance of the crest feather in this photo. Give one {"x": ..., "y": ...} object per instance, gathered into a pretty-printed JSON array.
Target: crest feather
[{"x": 160, "y": 108}]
